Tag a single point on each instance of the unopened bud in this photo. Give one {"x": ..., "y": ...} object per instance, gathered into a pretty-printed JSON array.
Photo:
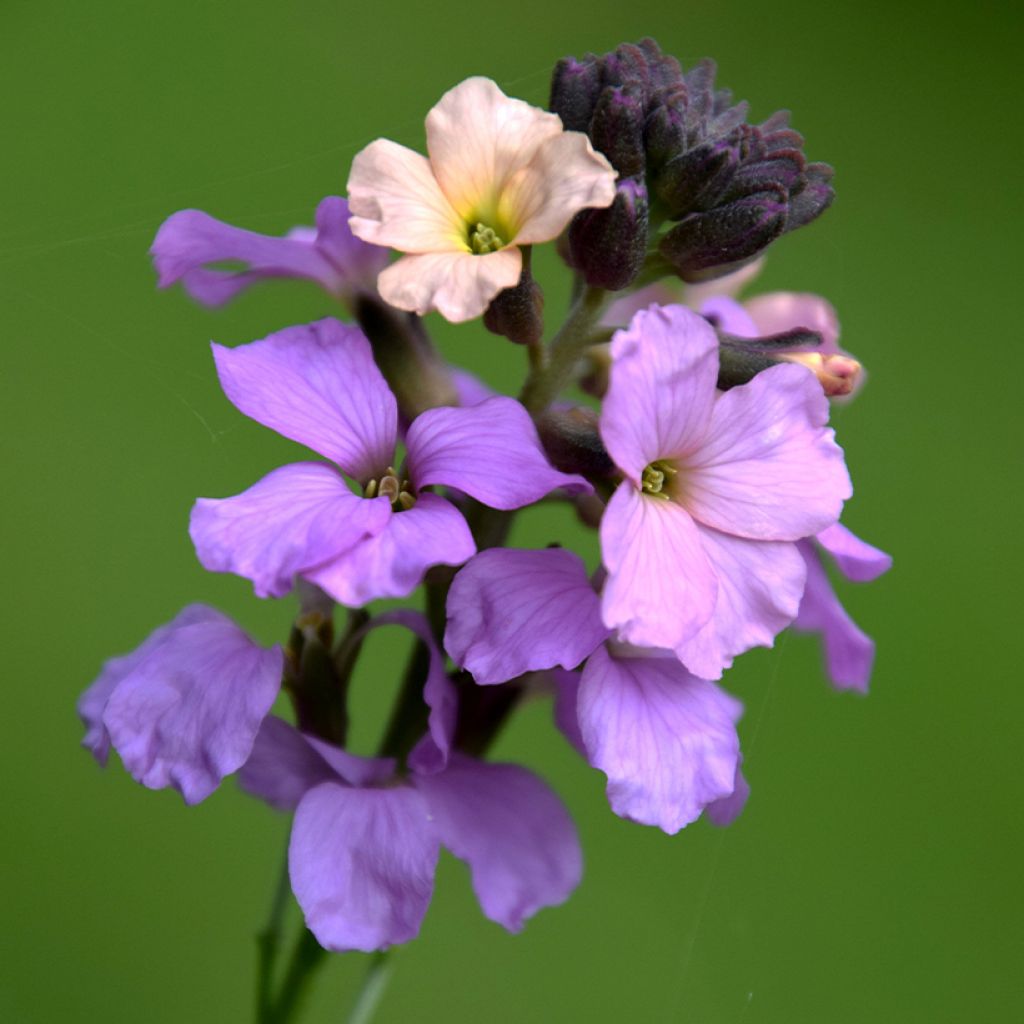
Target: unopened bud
[
  {"x": 617, "y": 129},
  {"x": 839, "y": 374},
  {"x": 518, "y": 313},
  {"x": 598, "y": 370},
  {"x": 574, "y": 90},
  {"x": 573, "y": 443},
  {"x": 609, "y": 246}
]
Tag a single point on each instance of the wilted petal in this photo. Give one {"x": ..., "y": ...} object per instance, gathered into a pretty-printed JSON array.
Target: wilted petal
[
  {"x": 512, "y": 830},
  {"x": 726, "y": 810},
  {"x": 777, "y": 312},
  {"x": 93, "y": 701},
  {"x": 459, "y": 285},
  {"x": 392, "y": 562},
  {"x": 857, "y": 560},
  {"x": 396, "y": 201},
  {"x": 759, "y": 588},
  {"x": 295, "y": 518},
  {"x": 661, "y": 587},
  {"x": 666, "y": 739},
  {"x": 769, "y": 468},
  {"x": 662, "y": 387},
  {"x": 849, "y": 652},
  {"x": 316, "y": 384},
  {"x": 511, "y": 612},
  {"x": 489, "y": 451},
  {"x": 187, "y": 713},
  {"x": 362, "y": 865}
]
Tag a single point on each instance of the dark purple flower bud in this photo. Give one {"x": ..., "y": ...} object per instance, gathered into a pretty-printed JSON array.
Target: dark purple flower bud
[
  {"x": 695, "y": 179},
  {"x": 571, "y": 438},
  {"x": 617, "y": 128},
  {"x": 707, "y": 245},
  {"x": 575, "y": 88},
  {"x": 609, "y": 246},
  {"x": 518, "y": 313},
  {"x": 813, "y": 198}
]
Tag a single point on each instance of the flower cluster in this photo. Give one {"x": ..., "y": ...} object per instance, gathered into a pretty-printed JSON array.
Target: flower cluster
[{"x": 706, "y": 465}]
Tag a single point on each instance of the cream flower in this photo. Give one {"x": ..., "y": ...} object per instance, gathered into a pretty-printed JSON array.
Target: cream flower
[{"x": 501, "y": 174}]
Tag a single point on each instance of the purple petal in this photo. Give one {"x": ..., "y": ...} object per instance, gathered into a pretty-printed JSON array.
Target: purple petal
[
  {"x": 857, "y": 560},
  {"x": 392, "y": 563},
  {"x": 666, "y": 739},
  {"x": 285, "y": 764},
  {"x": 470, "y": 390},
  {"x": 729, "y": 316},
  {"x": 661, "y": 389},
  {"x": 489, "y": 451},
  {"x": 567, "y": 689},
  {"x": 295, "y": 518},
  {"x": 331, "y": 256},
  {"x": 849, "y": 652},
  {"x": 317, "y": 384},
  {"x": 362, "y": 865},
  {"x": 511, "y": 612},
  {"x": 769, "y": 468},
  {"x": 777, "y": 312},
  {"x": 431, "y": 753},
  {"x": 93, "y": 701},
  {"x": 726, "y": 810},
  {"x": 512, "y": 830},
  {"x": 661, "y": 588},
  {"x": 187, "y": 713},
  {"x": 759, "y": 588}
]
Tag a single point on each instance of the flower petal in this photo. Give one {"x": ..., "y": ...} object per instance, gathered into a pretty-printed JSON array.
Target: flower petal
[
  {"x": 362, "y": 865},
  {"x": 478, "y": 139},
  {"x": 759, "y": 588},
  {"x": 857, "y": 560},
  {"x": 725, "y": 811},
  {"x": 729, "y": 316},
  {"x": 187, "y": 713},
  {"x": 459, "y": 285},
  {"x": 666, "y": 739},
  {"x": 783, "y": 311},
  {"x": 769, "y": 468},
  {"x": 392, "y": 562},
  {"x": 295, "y": 518},
  {"x": 849, "y": 652},
  {"x": 489, "y": 451},
  {"x": 661, "y": 389},
  {"x": 567, "y": 688},
  {"x": 512, "y": 830},
  {"x": 661, "y": 587},
  {"x": 511, "y": 612},
  {"x": 396, "y": 201},
  {"x": 93, "y": 701},
  {"x": 316, "y": 384}
]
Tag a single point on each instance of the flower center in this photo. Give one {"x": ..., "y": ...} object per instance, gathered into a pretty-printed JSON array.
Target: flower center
[
  {"x": 484, "y": 239},
  {"x": 657, "y": 477},
  {"x": 394, "y": 488}
]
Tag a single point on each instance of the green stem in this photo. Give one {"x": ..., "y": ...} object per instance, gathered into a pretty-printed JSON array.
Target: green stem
[
  {"x": 268, "y": 943},
  {"x": 548, "y": 378},
  {"x": 378, "y": 974},
  {"x": 307, "y": 955}
]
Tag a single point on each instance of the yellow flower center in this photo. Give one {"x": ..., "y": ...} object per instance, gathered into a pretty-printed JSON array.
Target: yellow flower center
[
  {"x": 656, "y": 479},
  {"x": 394, "y": 488},
  {"x": 484, "y": 239}
]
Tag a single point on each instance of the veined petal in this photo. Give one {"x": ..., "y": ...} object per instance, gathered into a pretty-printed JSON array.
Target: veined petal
[
  {"x": 459, "y": 285},
  {"x": 489, "y": 451},
  {"x": 565, "y": 175},
  {"x": 857, "y": 559},
  {"x": 661, "y": 587},
  {"x": 513, "y": 832},
  {"x": 759, "y": 588},
  {"x": 316, "y": 384},
  {"x": 849, "y": 651},
  {"x": 662, "y": 388},
  {"x": 396, "y": 201},
  {"x": 295, "y": 518},
  {"x": 362, "y": 865},
  {"x": 511, "y": 612},
  {"x": 93, "y": 701},
  {"x": 769, "y": 468},
  {"x": 187, "y": 713},
  {"x": 356, "y": 261},
  {"x": 666, "y": 739},
  {"x": 392, "y": 562},
  {"x": 285, "y": 763},
  {"x": 782, "y": 311},
  {"x": 478, "y": 139}
]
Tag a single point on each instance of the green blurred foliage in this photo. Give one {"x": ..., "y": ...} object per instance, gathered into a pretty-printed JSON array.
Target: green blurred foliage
[{"x": 875, "y": 873}]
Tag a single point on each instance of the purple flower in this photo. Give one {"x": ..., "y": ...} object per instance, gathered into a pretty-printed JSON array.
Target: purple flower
[
  {"x": 849, "y": 652},
  {"x": 318, "y": 385},
  {"x": 184, "y": 707},
  {"x": 365, "y": 841},
  {"x": 329, "y": 255},
  {"x": 698, "y": 538},
  {"x": 665, "y": 739}
]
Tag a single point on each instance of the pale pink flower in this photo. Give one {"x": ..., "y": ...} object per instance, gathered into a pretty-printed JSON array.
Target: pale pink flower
[{"x": 500, "y": 174}]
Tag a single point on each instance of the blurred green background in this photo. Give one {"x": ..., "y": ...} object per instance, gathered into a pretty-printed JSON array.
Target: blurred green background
[{"x": 875, "y": 875}]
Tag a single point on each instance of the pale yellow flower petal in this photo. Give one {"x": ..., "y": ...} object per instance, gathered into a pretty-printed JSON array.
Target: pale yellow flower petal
[
  {"x": 458, "y": 285},
  {"x": 478, "y": 139},
  {"x": 395, "y": 201}
]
